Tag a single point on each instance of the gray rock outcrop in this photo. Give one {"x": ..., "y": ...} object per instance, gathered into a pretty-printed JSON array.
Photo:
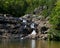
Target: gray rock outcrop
[{"x": 15, "y": 27}]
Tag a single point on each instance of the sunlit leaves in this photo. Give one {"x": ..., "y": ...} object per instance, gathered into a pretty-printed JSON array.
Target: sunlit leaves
[{"x": 55, "y": 21}]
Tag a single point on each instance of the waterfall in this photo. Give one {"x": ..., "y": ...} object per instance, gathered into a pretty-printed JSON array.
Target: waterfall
[
  {"x": 33, "y": 32},
  {"x": 32, "y": 25},
  {"x": 24, "y": 21}
]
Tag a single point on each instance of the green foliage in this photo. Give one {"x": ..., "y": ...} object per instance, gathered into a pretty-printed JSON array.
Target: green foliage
[
  {"x": 55, "y": 21},
  {"x": 21, "y": 7},
  {"x": 49, "y": 5},
  {"x": 54, "y": 34},
  {"x": 14, "y": 7},
  {"x": 55, "y": 15},
  {"x": 32, "y": 4}
]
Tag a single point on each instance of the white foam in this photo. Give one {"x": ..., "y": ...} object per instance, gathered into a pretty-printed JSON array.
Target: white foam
[
  {"x": 33, "y": 32},
  {"x": 25, "y": 26},
  {"x": 22, "y": 38},
  {"x": 24, "y": 21},
  {"x": 32, "y": 25}
]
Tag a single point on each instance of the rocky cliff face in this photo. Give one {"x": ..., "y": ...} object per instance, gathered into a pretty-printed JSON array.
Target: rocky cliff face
[
  {"x": 43, "y": 25},
  {"x": 14, "y": 27}
]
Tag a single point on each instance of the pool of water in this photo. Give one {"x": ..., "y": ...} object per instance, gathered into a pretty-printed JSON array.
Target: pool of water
[{"x": 18, "y": 43}]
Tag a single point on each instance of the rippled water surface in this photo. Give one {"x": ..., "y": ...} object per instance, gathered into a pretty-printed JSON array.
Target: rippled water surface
[{"x": 18, "y": 43}]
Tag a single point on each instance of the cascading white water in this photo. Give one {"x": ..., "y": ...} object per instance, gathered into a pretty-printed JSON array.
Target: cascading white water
[
  {"x": 32, "y": 25},
  {"x": 24, "y": 21},
  {"x": 25, "y": 26},
  {"x": 33, "y": 32}
]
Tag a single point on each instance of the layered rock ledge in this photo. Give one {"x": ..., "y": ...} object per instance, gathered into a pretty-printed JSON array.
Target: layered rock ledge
[{"x": 28, "y": 26}]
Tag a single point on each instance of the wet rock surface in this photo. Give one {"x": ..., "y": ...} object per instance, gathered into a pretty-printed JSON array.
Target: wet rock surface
[
  {"x": 28, "y": 26},
  {"x": 42, "y": 25}
]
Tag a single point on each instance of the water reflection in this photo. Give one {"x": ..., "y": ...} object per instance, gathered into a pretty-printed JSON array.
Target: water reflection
[
  {"x": 18, "y": 43},
  {"x": 33, "y": 44}
]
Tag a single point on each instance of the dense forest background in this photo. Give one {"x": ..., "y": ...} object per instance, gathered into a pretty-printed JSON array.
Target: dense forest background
[
  {"x": 50, "y": 8},
  {"x": 21, "y": 7}
]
